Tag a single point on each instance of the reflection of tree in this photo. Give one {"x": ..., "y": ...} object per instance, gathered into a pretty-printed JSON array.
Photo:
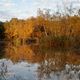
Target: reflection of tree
[
  {"x": 53, "y": 62},
  {"x": 49, "y": 62},
  {"x": 17, "y": 53},
  {"x": 3, "y": 71},
  {"x": 2, "y": 49},
  {"x": 55, "y": 59}
]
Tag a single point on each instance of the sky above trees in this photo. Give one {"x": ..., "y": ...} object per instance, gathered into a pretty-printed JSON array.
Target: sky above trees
[{"x": 26, "y": 8}]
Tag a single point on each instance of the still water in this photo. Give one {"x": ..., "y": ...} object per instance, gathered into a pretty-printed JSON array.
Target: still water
[{"x": 25, "y": 63}]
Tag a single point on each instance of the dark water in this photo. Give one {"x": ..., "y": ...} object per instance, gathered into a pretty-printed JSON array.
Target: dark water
[{"x": 25, "y": 63}]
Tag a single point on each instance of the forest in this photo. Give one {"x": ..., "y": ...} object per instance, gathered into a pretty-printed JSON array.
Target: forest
[{"x": 58, "y": 31}]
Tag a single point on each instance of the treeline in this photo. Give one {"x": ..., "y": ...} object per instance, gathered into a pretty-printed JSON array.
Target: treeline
[
  {"x": 50, "y": 29},
  {"x": 2, "y": 31}
]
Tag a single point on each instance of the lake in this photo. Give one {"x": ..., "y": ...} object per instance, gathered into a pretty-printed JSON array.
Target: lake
[{"x": 25, "y": 63}]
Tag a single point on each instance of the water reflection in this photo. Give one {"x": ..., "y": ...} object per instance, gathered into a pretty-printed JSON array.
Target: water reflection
[
  {"x": 18, "y": 53},
  {"x": 48, "y": 65},
  {"x": 2, "y": 48},
  {"x": 25, "y": 52}
]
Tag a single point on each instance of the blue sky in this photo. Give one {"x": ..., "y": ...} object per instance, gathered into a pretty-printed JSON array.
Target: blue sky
[{"x": 25, "y": 8}]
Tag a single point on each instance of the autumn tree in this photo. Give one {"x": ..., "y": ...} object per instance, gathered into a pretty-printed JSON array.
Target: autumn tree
[{"x": 2, "y": 30}]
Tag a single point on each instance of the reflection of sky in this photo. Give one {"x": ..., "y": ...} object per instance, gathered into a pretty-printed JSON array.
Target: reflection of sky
[
  {"x": 26, "y": 71},
  {"x": 26, "y": 8}
]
